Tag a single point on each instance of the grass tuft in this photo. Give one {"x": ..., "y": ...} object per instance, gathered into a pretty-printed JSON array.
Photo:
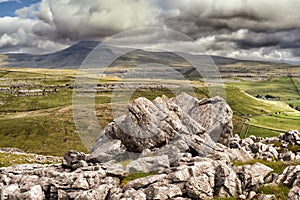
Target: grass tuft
[
  {"x": 277, "y": 166},
  {"x": 281, "y": 192},
  {"x": 134, "y": 176},
  {"x": 9, "y": 159}
]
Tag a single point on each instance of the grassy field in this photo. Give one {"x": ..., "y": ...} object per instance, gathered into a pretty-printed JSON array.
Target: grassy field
[
  {"x": 281, "y": 115},
  {"x": 285, "y": 89},
  {"x": 44, "y": 124},
  {"x": 50, "y": 134}
]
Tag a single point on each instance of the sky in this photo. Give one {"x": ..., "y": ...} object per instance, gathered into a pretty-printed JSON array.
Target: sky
[
  {"x": 244, "y": 29},
  {"x": 8, "y": 7}
]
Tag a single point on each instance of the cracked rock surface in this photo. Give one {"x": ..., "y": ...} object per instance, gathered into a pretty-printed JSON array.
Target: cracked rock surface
[{"x": 181, "y": 161}]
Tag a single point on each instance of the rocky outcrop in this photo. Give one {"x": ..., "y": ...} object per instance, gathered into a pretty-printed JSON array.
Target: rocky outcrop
[
  {"x": 177, "y": 152},
  {"x": 292, "y": 137},
  {"x": 270, "y": 149},
  {"x": 190, "y": 177},
  {"x": 183, "y": 123},
  {"x": 197, "y": 178}
]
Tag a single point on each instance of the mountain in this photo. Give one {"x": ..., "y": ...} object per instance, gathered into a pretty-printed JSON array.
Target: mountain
[{"x": 73, "y": 56}]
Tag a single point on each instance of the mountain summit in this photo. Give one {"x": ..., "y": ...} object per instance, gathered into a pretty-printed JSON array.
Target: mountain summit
[{"x": 73, "y": 56}]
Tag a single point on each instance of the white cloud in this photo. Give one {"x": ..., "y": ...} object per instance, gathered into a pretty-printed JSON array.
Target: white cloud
[
  {"x": 96, "y": 18},
  {"x": 64, "y": 22},
  {"x": 17, "y": 32},
  {"x": 3, "y": 1},
  {"x": 237, "y": 28},
  {"x": 28, "y": 12}
]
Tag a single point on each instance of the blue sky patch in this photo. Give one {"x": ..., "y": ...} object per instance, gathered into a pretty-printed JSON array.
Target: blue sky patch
[{"x": 8, "y": 7}]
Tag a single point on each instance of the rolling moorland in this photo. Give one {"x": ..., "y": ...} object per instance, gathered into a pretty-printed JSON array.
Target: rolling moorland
[
  {"x": 36, "y": 95},
  {"x": 36, "y": 113}
]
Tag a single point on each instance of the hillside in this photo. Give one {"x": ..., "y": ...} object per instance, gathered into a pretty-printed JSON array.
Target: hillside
[
  {"x": 36, "y": 102},
  {"x": 43, "y": 123},
  {"x": 73, "y": 56},
  {"x": 191, "y": 154}
]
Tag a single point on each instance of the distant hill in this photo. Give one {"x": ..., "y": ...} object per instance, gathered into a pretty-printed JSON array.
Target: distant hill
[
  {"x": 131, "y": 64},
  {"x": 73, "y": 56}
]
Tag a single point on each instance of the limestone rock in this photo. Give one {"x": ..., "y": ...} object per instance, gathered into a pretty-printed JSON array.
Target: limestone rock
[
  {"x": 35, "y": 193},
  {"x": 73, "y": 160},
  {"x": 200, "y": 187},
  {"x": 294, "y": 193},
  {"x": 253, "y": 176},
  {"x": 226, "y": 181},
  {"x": 9, "y": 192},
  {"x": 176, "y": 139},
  {"x": 266, "y": 197},
  {"x": 106, "y": 150},
  {"x": 171, "y": 125},
  {"x": 213, "y": 114},
  {"x": 116, "y": 170},
  {"x": 291, "y": 177},
  {"x": 162, "y": 191},
  {"x": 148, "y": 164},
  {"x": 99, "y": 193},
  {"x": 144, "y": 182},
  {"x": 292, "y": 136},
  {"x": 134, "y": 194}
]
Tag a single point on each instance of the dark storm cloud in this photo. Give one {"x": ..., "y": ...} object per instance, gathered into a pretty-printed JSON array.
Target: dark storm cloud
[
  {"x": 238, "y": 25},
  {"x": 235, "y": 28},
  {"x": 296, "y": 52},
  {"x": 280, "y": 39}
]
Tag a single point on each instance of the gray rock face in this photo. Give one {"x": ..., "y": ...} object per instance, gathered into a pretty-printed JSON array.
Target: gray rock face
[
  {"x": 148, "y": 164},
  {"x": 106, "y": 150},
  {"x": 213, "y": 114},
  {"x": 200, "y": 187},
  {"x": 292, "y": 136},
  {"x": 291, "y": 177},
  {"x": 162, "y": 191},
  {"x": 73, "y": 160},
  {"x": 179, "y": 123},
  {"x": 227, "y": 182},
  {"x": 144, "y": 182},
  {"x": 33, "y": 181},
  {"x": 252, "y": 176},
  {"x": 133, "y": 194}
]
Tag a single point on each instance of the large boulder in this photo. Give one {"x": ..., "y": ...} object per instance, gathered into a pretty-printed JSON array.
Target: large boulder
[{"x": 197, "y": 124}]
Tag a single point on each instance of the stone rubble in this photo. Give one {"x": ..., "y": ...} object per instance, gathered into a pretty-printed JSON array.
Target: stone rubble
[{"x": 174, "y": 164}]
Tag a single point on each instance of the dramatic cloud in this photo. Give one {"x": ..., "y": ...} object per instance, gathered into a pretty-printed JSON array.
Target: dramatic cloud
[
  {"x": 17, "y": 35},
  {"x": 89, "y": 18},
  {"x": 238, "y": 27},
  {"x": 2, "y": 1},
  {"x": 259, "y": 29},
  {"x": 65, "y": 22}
]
